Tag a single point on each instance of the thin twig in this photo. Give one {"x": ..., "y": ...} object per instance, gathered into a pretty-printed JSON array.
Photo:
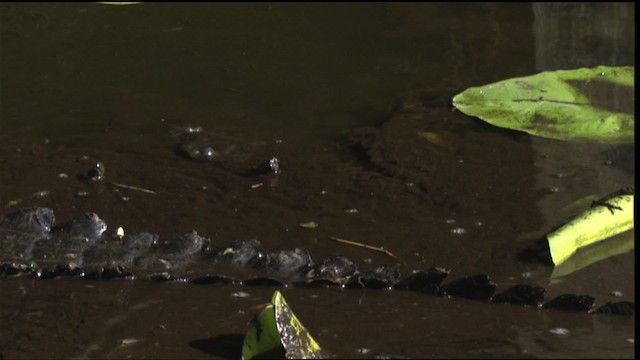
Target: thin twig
[
  {"x": 133, "y": 188},
  {"x": 370, "y": 247}
]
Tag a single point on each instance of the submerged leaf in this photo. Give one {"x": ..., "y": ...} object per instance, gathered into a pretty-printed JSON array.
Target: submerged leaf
[{"x": 581, "y": 105}]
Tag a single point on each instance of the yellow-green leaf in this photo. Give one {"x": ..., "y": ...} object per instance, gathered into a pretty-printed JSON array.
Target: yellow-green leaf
[
  {"x": 595, "y": 104},
  {"x": 277, "y": 333},
  {"x": 262, "y": 337},
  {"x": 615, "y": 245},
  {"x": 596, "y": 224},
  {"x": 297, "y": 341}
]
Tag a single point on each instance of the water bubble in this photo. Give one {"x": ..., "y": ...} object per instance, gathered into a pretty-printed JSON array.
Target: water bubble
[{"x": 208, "y": 153}]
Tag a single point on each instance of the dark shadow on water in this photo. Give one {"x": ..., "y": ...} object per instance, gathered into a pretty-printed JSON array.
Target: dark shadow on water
[
  {"x": 537, "y": 252},
  {"x": 227, "y": 346}
]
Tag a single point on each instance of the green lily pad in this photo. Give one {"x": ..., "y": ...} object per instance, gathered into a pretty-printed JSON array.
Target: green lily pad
[
  {"x": 578, "y": 105},
  {"x": 277, "y": 333}
]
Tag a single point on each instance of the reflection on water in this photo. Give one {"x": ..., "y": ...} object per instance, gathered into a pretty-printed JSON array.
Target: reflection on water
[{"x": 574, "y": 35}]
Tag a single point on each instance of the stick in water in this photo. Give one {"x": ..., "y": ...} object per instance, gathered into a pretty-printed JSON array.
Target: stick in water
[
  {"x": 375, "y": 248},
  {"x": 133, "y": 188}
]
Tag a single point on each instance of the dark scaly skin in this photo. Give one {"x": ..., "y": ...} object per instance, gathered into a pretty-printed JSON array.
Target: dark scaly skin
[{"x": 80, "y": 247}]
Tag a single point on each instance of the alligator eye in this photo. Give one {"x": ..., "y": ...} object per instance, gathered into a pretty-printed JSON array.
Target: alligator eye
[
  {"x": 96, "y": 173},
  {"x": 271, "y": 165},
  {"x": 208, "y": 153}
]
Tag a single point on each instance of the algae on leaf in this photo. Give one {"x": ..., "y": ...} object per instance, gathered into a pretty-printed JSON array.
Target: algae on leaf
[{"x": 579, "y": 105}]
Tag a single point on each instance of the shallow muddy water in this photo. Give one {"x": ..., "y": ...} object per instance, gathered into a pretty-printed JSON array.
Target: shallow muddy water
[{"x": 338, "y": 92}]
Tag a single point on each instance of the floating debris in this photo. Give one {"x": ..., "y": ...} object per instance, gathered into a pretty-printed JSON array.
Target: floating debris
[
  {"x": 309, "y": 225},
  {"x": 241, "y": 294},
  {"x": 560, "y": 331},
  {"x": 375, "y": 248},
  {"x": 130, "y": 187},
  {"x": 42, "y": 193},
  {"x": 11, "y": 203}
]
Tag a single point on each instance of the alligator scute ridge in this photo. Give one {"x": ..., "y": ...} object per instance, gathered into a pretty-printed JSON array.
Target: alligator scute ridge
[{"x": 24, "y": 230}]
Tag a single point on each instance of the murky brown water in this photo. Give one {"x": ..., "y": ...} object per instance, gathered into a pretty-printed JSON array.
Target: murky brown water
[{"x": 111, "y": 83}]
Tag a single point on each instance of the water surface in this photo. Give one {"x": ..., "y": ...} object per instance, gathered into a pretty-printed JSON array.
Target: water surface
[{"x": 88, "y": 82}]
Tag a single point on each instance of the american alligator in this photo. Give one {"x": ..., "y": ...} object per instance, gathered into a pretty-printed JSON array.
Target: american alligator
[
  {"x": 33, "y": 245},
  {"x": 233, "y": 154}
]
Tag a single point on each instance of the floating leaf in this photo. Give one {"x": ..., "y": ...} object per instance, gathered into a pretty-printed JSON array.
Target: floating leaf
[
  {"x": 615, "y": 245},
  {"x": 262, "y": 337},
  {"x": 596, "y": 224},
  {"x": 581, "y": 105},
  {"x": 277, "y": 333},
  {"x": 297, "y": 341}
]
